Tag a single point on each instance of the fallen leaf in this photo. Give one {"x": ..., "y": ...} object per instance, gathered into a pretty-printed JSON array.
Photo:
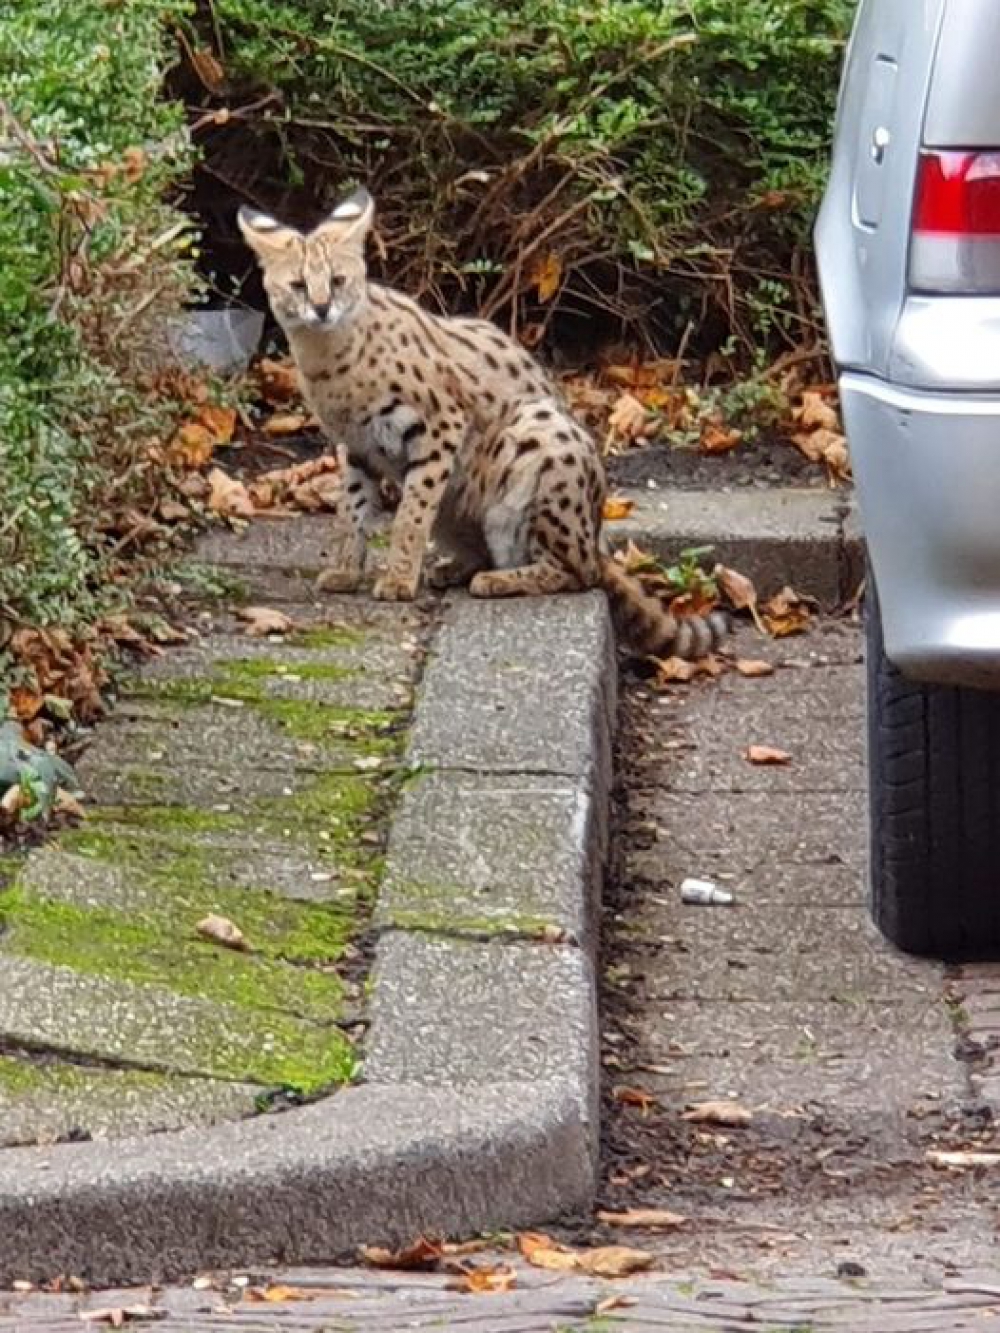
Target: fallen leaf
[
  {"x": 263, "y": 620},
  {"x": 634, "y": 560},
  {"x": 674, "y": 670},
  {"x": 960, "y": 1159},
  {"x": 766, "y": 754},
  {"x": 752, "y": 666},
  {"x": 815, "y": 413},
  {"x": 634, "y": 1097},
  {"x": 613, "y": 1303},
  {"x": 172, "y": 511},
  {"x": 312, "y": 486},
  {"x": 119, "y": 1315},
  {"x": 67, "y": 804},
  {"x": 286, "y": 423},
  {"x": 485, "y": 1280},
  {"x": 630, "y": 419},
  {"x": 542, "y": 1251},
  {"x": 546, "y": 275},
  {"x": 786, "y": 613},
  {"x": 278, "y": 380},
  {"x": 730, "y": 1113},
  {"x": 220, "y": 930},
  {"x": 738, "y": 590},
  {"x": 277, "y": 1294},
  {"x": 14, "y": 800},
  {"x": 227, "y": 496},
  {"x": 423, "y": 1253},
  {"x": 208, "y": 69},
  {"x": 25, "y": 704},
  {"x": 613, "y": 1261},
  {"x": 617, "y": 507},
  {"x": 654, "y": 1218},
  {"x": 718, "y": 439}
]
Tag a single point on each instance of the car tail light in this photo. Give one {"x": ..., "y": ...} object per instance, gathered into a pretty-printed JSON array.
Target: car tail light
[{"x": 956, "y": 223}]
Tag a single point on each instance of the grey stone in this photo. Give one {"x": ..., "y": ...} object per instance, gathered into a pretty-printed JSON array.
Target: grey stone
[
  {"x": 458, "y": 1013},
  {"x": 41, "y": 1102},
  {"x": 496, "y": 692},
  {"x": 301, "y": 547},
  {"x": 483, "y": 854},
  {"x": 774, "y": 537},
  {"x": 43, "y": 1006},
  {"x": 375, "y": 1164}
]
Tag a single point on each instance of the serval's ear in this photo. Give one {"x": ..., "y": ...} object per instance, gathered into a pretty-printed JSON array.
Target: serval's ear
[
  {"x": 265, "y": 235},
  {"x": 350, "y": 222}
]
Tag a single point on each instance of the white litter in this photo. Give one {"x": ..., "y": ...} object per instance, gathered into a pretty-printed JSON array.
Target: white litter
[{"x": 705, "y": 892}]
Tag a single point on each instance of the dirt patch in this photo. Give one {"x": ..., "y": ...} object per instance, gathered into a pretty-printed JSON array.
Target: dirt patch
[{"x": 761, "y": 464}]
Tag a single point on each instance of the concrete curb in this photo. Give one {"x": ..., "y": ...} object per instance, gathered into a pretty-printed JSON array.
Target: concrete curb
[
  {"x": 810, "y": 538},
  {"x": 480, "y": 1105}
]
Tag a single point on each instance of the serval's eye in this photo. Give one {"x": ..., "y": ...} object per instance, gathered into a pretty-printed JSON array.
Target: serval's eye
[
  {"x": 337, "y": 280},
  {"x": 299, "y": 288}
]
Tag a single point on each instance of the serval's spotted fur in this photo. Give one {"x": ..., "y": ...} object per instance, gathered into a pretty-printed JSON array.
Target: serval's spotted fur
[{"x": 465, "y": 423}]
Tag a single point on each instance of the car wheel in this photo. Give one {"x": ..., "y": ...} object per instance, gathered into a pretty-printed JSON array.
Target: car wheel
[{"x": 934, "y": 808}]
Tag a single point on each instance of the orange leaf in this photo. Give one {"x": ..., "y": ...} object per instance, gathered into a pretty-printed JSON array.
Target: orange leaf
[
  {"x": 546, "y": 275},
  {"x": 749, "y": 666},
  {"x": 617, "y": 507},
  {"x": 543, "y": 1252},
  {"x": 208, "y": 69},
  {"x": 227, "y": 496},
  {"x": 645, "y": 1101},
  {"x": 277, "y": 1294},
  {"x": 728, "y": 1113},
  {"x": 716, "y": 439},
  {"x": 614, "y": 1260},
  {"x": 279, "y": 380},
  {"x": 786, "y": 613},
  {"x": 25, "y": 704},
  {"x": 630, "y": 419},
  {"x": 486, "y": 1281},
  {"x": 766, "y": 754},
  {"x": 263, "y": 620},
  {"x": 423, "y": 1253},
  {"x": 653, "y": 1218},
  {"x": 286, "y": 423}
]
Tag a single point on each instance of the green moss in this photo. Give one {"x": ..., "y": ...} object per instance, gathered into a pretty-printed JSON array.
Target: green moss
[
  {"x": 327, "y": 636},
  {"x": 24, "y": 1077},
  {"x": 163, "y": 949},
  {"x": 462, "y": 923},
  {"x": 248, "y": 670}
]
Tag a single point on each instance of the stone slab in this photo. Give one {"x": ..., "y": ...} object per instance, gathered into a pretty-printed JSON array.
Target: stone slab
[
  {"x": 520, "y": 686},
  {"x": 47, "y": 1007},
  {"x": 462, "y": 1013},
  {"x": 372, "y": 1165},
  {"x": 45, "y": 1101},
  {"x": 299, "y": 547},
  {"x": 775, "y": 537},
  {"x": 487, "y": 854}
]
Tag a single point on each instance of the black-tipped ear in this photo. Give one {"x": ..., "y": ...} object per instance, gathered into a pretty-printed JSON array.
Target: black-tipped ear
[
  {"x": 262, "y": 232},
  {"x": 351, "y": 219}
]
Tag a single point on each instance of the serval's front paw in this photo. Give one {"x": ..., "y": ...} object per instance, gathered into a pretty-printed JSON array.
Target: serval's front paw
[
  {"x": 396, "y": 586},
  {"x": 339, "y": 578}
]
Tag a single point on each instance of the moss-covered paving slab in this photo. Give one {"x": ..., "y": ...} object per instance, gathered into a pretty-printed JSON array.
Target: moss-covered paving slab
[
  {"x": 241, "y": 780},
  {"x": 47, "y": 1100}
]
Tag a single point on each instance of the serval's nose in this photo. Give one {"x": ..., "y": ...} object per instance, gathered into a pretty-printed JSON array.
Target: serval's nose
[{"x": 322, "y": 308}]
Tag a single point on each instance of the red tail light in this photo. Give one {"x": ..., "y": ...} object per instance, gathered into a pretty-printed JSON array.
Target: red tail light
[{"x": 956, "y": 223}]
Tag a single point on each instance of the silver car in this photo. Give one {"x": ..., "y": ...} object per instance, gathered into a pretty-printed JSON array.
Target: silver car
[{"x": 908, "y": 243}]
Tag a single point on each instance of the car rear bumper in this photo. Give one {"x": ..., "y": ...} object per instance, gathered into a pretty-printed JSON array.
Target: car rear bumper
[{"x": 928, "y": 474}]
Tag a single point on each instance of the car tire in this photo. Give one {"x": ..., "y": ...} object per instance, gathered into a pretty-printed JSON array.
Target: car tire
[{"x": 934, "y": 809}]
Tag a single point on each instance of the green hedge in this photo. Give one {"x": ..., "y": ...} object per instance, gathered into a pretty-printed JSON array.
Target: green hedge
[
  {"x": 665, "y": 155},
  {"x": 88, "y": 271}
]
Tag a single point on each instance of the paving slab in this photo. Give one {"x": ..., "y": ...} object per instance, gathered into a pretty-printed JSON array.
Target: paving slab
[{"x": 485, "y": 854}]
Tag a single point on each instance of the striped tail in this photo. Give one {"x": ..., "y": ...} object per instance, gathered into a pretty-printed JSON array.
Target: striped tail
[{"x": 649, "y": 628}]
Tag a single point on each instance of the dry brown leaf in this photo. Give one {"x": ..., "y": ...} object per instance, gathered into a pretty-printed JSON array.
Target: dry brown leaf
[
  {"x": 278, "y": 380},
  {"x": 730, "y": 1113},
  {"x": 678, "y": 670},
  {"x": 263, "y": 620},
  {"x": 423, "y": 1253},
  {"x": 613, "y": 1303},
  {"x": 752, "y": 666},
  {"x": 14, "y": 800},
  {"x": 630, "y": 419},
  {"x": 613, "y": 1261},
  {"x": 542, "y": 1251},
  {"x": 277, "y": 1294},
  {"x": 546, "y": 275},
  {"x": 653, "y": 1218},
  {"x": 67, "y": 804},
  {"x": 786, "y": 613},
  {"x": 286, "y": 423},
  {"x": 313, "y": 486},
  {"x": 718, "y": 439},
  {"x": 738, "y": 590},
  {"x": 227, "y": 496},
  {"x": 962, "y": 1158},
  {"x": 485, "y": 1280},
  {"x": 625, "y": 1096},
  {"x": 208, "y": 69},
  {"x": 816, "y": 413},
  {"x": 220, "y": 930},
  {"x": 617, "y": 507},
  {"x": 119, "y": 1315},
  {"x": 766, "y": 754},
  {"x": 25, "y": 704}
]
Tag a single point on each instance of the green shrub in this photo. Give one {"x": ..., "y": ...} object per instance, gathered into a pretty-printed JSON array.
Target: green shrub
[
  {"x": 660, "y": 159},
  {"x": 90, "y": 265}
]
